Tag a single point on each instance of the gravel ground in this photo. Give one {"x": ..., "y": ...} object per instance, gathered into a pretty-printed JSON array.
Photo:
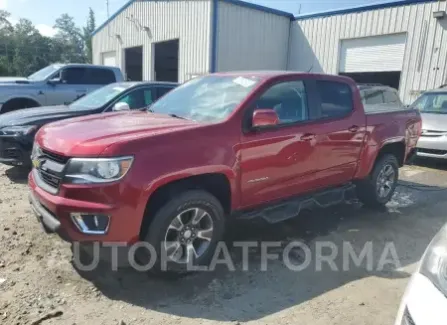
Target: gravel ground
[{"x": 39, "y": 284}]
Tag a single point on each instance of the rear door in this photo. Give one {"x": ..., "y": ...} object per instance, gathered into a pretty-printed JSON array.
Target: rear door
[
  {"x": 341, "y": 130},
  {"x": 278, "y": 162}
]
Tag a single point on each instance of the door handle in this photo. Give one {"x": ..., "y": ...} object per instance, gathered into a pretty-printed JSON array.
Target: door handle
[
  {"x": 353, "y": 128},
  {"x": 307, "y": 137}
]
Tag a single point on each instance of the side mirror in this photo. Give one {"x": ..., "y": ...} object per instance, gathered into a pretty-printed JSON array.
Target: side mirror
[
  {"x": 264, "y": 117},
  {"x": 55, "y": 81},
  {"x": 121, "y": 106}
]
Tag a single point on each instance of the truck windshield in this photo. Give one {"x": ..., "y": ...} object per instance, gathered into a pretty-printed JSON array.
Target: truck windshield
[
  {"x": 100, "y": 97},
  {"x": 44, "y": 73},
  {"x": 208, "y": 99},
  {"x": 432, "y": 103}
]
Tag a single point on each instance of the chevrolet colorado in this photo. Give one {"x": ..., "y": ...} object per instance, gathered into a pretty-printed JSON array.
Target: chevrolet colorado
[{"x": 241, "y": 145}]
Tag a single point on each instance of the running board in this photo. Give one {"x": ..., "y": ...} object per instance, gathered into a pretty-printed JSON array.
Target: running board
[{"x": 291, "y": 208}]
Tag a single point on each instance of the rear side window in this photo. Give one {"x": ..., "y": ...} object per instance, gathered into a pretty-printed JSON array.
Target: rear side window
[
  {"x": 391, "y": 97},
  {"x": 373, "y": 97},
  {"x": 100, "y": 77},
  {"x": 335, "y": 97}
]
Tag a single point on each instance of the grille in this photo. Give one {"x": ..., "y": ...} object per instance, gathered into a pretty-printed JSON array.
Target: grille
[
  {"x": 51, "y": 171},
  {"x": 433, "y": 151},
  {"x": 408, "y": 320},
  {"x": 50, "y": 179},
  {"x": 55, "y": 157}
]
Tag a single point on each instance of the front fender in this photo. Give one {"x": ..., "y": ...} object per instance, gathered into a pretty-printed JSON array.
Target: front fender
[
  {"x": 9, "y": 93},
  {"x": 196, "y": 171}
]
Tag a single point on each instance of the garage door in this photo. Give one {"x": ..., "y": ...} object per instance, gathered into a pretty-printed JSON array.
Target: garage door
[
  {"x": 109, "y": 59},
  {"x": 371, "y": 54}
]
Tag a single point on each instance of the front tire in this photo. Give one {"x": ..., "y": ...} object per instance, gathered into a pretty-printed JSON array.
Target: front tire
[
  {"x": 186, "y": 230},
  {"x": 379, "y": 187}
]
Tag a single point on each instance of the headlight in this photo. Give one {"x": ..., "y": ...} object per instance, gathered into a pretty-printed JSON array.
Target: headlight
[
  {"x": 96, "y": 170},
  {"x": 434, "y": 261},
  {"x": 18, "y": 130}
]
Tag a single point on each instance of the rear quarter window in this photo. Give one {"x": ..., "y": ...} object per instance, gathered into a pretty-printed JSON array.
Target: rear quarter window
[{"x": 335, "y": 97}]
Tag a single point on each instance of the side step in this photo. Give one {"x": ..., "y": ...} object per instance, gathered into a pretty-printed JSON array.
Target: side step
[{"x": 291, "y": 208}]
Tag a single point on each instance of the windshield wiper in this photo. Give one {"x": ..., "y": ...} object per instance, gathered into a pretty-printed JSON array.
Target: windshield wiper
[{"x": 176, "y": 116}]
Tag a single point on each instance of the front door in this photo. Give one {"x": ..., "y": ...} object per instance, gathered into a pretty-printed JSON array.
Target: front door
[
  {"x": 71, "y": 86},
  {"x": 280, "y": 162}
]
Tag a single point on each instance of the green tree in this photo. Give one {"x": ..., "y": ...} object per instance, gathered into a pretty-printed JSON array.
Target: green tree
[
  {"x": 88, "y": 30},
  {"x": 69, "y": 35}
]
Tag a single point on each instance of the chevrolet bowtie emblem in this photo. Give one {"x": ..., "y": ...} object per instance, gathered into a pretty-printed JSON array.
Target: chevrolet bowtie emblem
[{"x": 37, "y": 163}]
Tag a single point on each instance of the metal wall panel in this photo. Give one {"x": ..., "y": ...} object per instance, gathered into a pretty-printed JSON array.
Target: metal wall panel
[
  {"x": 316, "y": 42},
  {"x": 250, "y": 39},
  {"x": 189, "y": 21}
]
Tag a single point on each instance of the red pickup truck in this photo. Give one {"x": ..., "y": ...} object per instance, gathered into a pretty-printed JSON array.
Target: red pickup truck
[{"x": 241, "y": 145}]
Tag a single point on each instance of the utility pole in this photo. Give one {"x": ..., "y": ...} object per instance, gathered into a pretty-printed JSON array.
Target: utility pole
[
  {"x": 299, "y": 9},
  {"x": 108, "y": 16}
]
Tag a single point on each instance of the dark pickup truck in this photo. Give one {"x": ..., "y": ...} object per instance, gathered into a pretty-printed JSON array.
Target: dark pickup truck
[{"x": 241, "y": 145}]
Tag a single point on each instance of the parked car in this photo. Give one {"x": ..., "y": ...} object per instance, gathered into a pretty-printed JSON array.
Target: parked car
[
  {"x": 425, "y": 299},
  {"x": 241, "y": 145},
  {"x": 57, "y": 84},
  {"x": 433, "y": 107},
  {"x": 380, "y": 97},
  {"x": 18, "y": 128}
]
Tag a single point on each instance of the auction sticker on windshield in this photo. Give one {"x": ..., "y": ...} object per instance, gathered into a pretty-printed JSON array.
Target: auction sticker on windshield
[{"x": 244, "y": 82}]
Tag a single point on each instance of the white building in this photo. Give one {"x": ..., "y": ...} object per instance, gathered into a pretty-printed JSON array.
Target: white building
[{"x": 403, "y": 43}]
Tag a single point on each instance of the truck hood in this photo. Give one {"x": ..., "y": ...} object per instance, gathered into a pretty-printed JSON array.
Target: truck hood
[
  {"x": 434, "y": 122},
  {"x": 38, "y": 115},
  {"x": 13, "y": 80},
  {"x": 91, "y": 135}
]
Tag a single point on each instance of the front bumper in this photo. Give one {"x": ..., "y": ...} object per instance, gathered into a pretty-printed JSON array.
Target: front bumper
[
  {"x": 16, "y": 150},
  {"x": 432, "y": 146},
  {"x": 54, "y": 211},
  {"x": 422, "y": 304}
]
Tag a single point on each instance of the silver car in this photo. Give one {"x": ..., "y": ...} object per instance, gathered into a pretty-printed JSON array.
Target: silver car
[{"x": 433, "y": 107}]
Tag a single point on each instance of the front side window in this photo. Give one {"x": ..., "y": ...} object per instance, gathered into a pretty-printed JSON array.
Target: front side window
[
  {"x": 137, "y": 99},
  {"x": 288, "y": 100},
  {"x": 74, "y": 76},
  {"x": 161, "y": 91},
  {"x": 335, "y": 97},
  {"x": 207, "y": 99}
]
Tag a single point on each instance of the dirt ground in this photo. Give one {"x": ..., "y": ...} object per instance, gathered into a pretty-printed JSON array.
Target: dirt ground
[{"x": 39, "y": 284}]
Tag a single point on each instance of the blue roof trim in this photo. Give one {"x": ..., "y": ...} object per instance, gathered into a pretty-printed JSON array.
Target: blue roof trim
[
  {"x": 120, "y": 10},
  {"x": 368, "y": 7},
  {"x": 214, "y": 36},
  {"x": 261, "y": 8}
]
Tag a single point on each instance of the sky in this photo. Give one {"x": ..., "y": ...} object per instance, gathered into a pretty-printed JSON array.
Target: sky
[{"x": 43, "y": 13}]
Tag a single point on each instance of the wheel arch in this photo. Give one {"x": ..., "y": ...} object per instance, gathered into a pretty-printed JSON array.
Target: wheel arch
[
  {"x": 9, "y": 103},
  {"x": 218, "y": 182}
]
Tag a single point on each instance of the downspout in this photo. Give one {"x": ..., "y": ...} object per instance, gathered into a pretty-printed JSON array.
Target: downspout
[{"x": 214, "y": 18}]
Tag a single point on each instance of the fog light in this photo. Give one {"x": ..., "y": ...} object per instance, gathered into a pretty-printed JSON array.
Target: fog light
[{"x": 91, "y": 224}]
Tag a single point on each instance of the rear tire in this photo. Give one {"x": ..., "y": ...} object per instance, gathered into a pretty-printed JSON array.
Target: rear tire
[
  {"x": 181, "y": 222},
  {"x": 379, "y": 187}
]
